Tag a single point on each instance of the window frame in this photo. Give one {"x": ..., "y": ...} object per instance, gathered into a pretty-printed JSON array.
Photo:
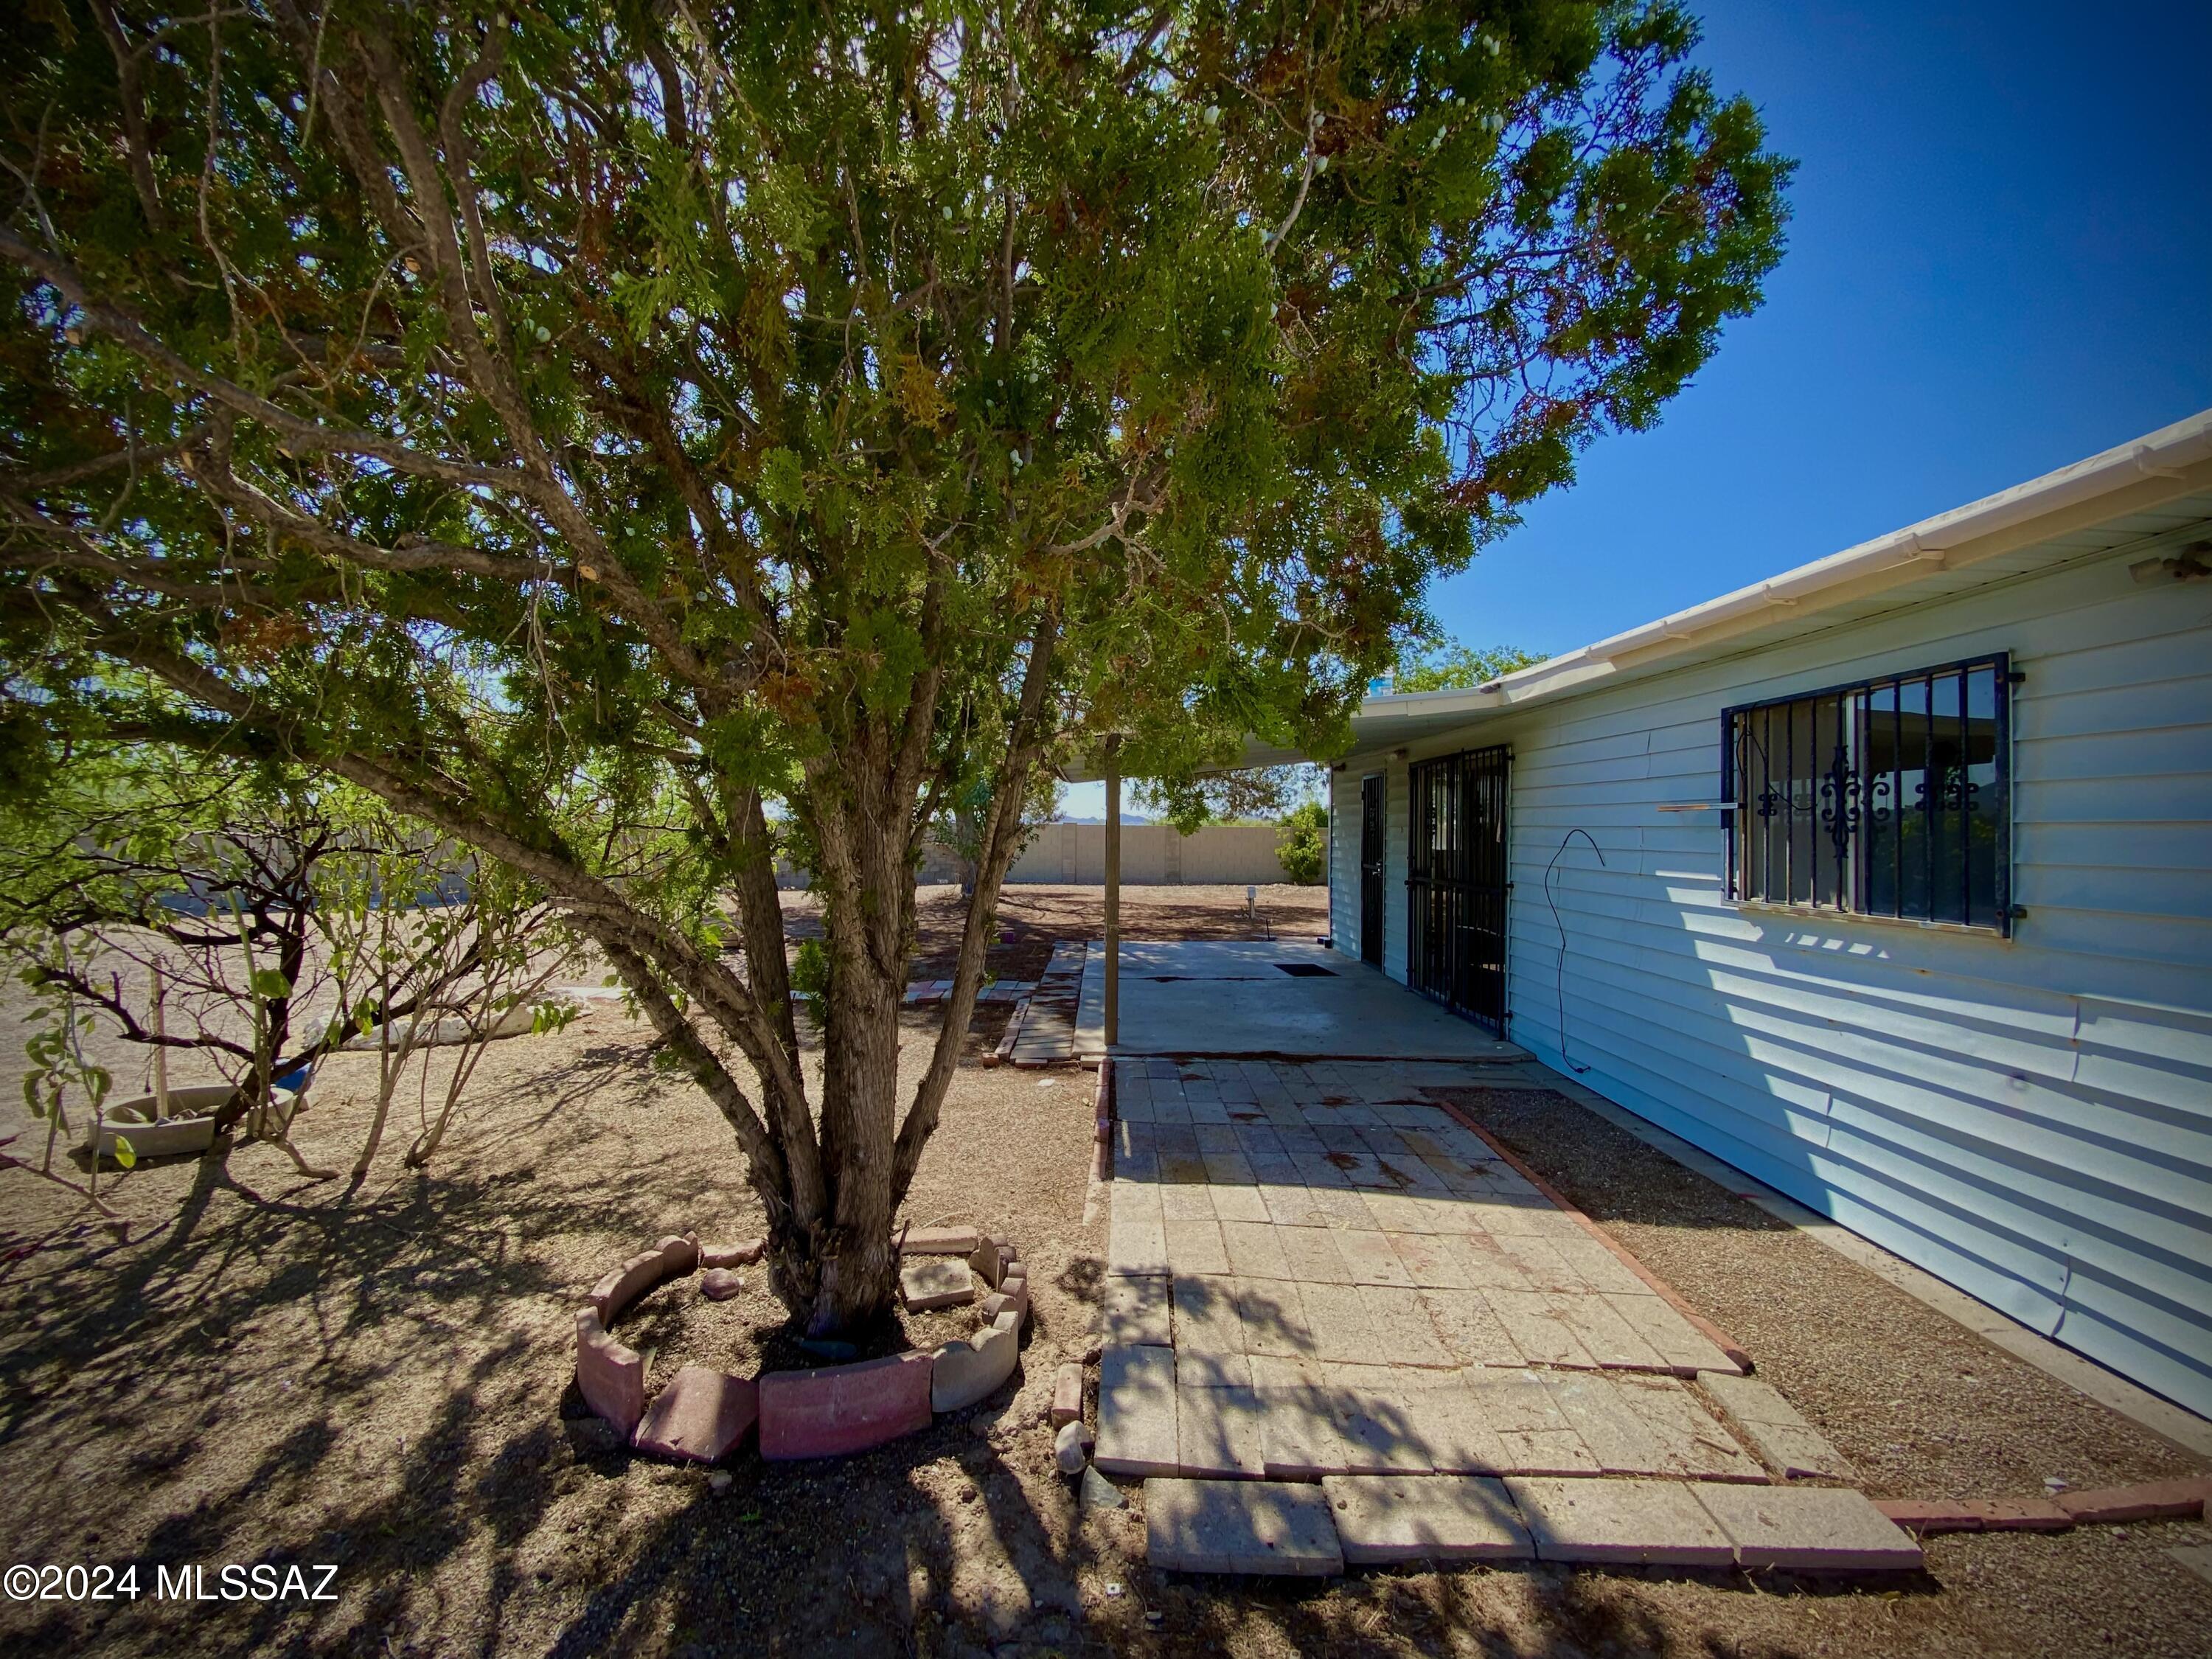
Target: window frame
[{"x": 1856, "y": 695}]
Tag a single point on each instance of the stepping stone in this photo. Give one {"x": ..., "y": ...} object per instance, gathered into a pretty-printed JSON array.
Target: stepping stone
[
  {"x": 701, "y": 1416},
  {"x": 1240, "y": 1526},
  {"x": 1650, "y": 1522},
  {"x": 964, "y": 1372},
  {"x": 1137, "y": 1410},
  {"x": 1487, "y": 1265},
  {"x": 1775, "y": 1429},
  {"x": 1808, "y": 1528},
  {"x": 935, "y": 1282},
  {"x": 1430, "y": 1261},
  {"x": 1541, "y": 1265},
  {"x": 1187, "y": 1204},
  {"x": 1600, "y": 1267},
  {"x": 1436, "y": 1517}
]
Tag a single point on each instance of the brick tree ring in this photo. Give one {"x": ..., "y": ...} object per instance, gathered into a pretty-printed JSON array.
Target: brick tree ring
[{"x": 703, "y": 1414}]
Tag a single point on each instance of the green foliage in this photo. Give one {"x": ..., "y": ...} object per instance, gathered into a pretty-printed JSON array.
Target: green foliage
[
  {"x": 1451, "y": 666},
  {"x": 1248, "y": 793},
  {"x": 637, "y": 441},
  {"x": 1302, "y": 843},
  {"x": 810, "y": 977}
]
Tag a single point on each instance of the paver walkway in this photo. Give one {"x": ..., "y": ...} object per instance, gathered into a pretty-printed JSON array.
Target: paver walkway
[
  {"x": 1314, "y": 1271},
  {"x": 1042, "y": 1030}
]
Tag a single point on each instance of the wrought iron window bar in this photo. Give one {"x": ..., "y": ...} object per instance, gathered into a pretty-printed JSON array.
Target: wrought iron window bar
[{"x": 1887, "y": 797}]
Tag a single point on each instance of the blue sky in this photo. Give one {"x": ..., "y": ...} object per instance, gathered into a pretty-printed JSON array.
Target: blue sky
[{"x": 1999, "y": 261}]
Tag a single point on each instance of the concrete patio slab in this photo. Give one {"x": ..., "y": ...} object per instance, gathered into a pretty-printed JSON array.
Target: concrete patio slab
[
  {"x": 1438, "y": 1517},
  {"x": 1646, "y": 1522},
  {"x": 1240, "y": 1526},
  {"x": 1809, "y": 1529},
  {"x": 1271, "y": 1317},
  {"x": 1232, "y": 997},
  {"x": 1776, "y": 1429},
  {"x": 1136, "y": 1412}
]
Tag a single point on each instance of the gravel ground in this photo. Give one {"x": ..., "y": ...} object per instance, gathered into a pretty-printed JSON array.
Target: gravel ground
[{"x": 276, "y": 1370}]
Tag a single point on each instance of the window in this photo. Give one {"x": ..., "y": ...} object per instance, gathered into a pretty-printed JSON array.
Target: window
[{"x": 1889, "y": 798}]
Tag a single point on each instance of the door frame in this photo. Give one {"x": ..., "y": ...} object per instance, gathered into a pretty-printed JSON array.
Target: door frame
[
  {"x": 1374, "y": 879},
  {"x": 1458, "y": 882}
]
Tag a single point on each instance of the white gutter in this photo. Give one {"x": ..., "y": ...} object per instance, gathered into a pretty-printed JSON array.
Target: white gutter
[{"x": 2169, "y": 453}]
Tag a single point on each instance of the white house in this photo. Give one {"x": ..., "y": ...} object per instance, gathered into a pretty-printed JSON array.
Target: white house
[{"x": 1888, "y": 881}]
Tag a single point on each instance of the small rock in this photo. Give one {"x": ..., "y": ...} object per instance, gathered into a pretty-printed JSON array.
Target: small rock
[
  {"x": 1094, "y": 1350},
  {"x": 718, "y": 1482},
  {"x": 720, "y": 1284},
  {"x": 1100, "y": 1493},
  {"x": 1071, "y": 1447}
]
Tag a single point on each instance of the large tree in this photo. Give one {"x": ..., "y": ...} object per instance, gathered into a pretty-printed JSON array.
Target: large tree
[{"x": 631, "y": 435}]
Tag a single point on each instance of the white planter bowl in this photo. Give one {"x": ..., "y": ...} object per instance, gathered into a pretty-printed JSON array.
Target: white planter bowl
[{"x": 190, "y": 1127}]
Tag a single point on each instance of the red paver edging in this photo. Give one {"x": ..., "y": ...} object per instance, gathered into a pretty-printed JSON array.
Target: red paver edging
[
  {"x": 1704, "y": 1326},
  {"x": 2152, "y": 1500},
  {"x": 1926, "y": 1516},
  {"x": 823, "y": 1412},
  {"x": 610, "y": 1377},
  {"x": 844, "y": 1408}
]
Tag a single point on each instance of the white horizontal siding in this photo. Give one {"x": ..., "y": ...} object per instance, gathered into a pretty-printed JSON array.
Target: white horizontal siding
[{"x": 2030, "y": 1118}]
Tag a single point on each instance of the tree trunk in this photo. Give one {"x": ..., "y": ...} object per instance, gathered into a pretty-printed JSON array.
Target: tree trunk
[{"x": 845, "y": 1273}]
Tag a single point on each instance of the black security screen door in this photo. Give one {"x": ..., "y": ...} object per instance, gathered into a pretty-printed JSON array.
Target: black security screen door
[
  {"x": 1371, "y": 856},
  {"x": 1455, "y": 884}
]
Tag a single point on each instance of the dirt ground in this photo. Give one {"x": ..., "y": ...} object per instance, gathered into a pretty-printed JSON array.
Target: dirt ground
[{"x": 277, "y": 1371}]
